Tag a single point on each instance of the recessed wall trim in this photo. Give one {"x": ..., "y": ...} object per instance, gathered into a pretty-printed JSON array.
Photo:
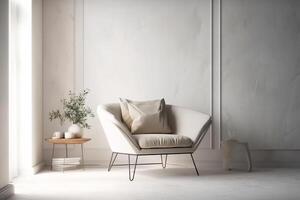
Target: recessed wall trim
[
  {"x": 220, "y": 73},
  {"x": 79, "y": 45},
  {"x": 211, "y": 72}
]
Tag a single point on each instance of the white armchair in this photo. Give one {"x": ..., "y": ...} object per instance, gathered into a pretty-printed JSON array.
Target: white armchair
[{"x": 189, "y": 129}]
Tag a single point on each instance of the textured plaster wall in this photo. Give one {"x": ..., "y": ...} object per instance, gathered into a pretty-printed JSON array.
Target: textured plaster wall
[
  {"x": 261, "y": 72},
  {"x": 58, "y": 58},
  {"x": 146, "y": 50}
]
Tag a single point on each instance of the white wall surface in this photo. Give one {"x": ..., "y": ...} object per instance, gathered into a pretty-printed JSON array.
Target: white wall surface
[
  {"x": 58, "y": 59},
  {"x": 146, "y": 50},
  {"x": 4, "y": 93},
  {"x": 261, "y": 68},
  {"x": 37, "y": 82}
]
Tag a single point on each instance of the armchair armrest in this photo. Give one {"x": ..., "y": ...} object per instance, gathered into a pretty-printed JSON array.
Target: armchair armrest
[
  {"x": 117, "y": 134},
  {"x": 190, "y": 123}
]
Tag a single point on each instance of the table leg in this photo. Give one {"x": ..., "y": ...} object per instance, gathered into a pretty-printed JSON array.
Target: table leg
[
  {"x": 65, "y": 158},
  {"x": 52, "y": 155},
  {"x": 82, "y": 157},
  {"x": 248, "y": 157},
  {"x": 66, "y": 150}
]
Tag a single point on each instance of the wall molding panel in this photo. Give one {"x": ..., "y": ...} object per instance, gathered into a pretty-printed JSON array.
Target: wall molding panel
[{"x": 79, "y": 45}]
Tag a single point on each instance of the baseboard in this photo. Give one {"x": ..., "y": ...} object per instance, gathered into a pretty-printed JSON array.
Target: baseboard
[
  {"x": 6, "y": 191},
  {"x": 205, "y": 159},
  {"x": 38, "y": 167},
  {"x": 276, "y": 164},
  {"x": 32, "y": 170},
  {"x": 171, "y": 163},
  {"x": 202, "y": 165}
]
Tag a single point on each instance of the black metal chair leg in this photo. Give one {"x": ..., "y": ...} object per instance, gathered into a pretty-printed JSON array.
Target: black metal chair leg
[
  {"x": 112, "y": 160},
  {"x": 131, "y": 176},
  {"x": 132, "y": 173},
  {"x": 194, "y": 164},
  {"x": 164, "y": 164}
]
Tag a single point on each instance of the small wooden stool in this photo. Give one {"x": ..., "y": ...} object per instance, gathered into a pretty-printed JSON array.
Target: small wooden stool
[{"x": 228, "y": 147}]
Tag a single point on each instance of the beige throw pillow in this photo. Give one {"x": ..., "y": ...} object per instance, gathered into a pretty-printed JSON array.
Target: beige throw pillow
[
  {"x": 125, "y": 113},
  {"x": 148, "y": 117},
  {"x": 145, "y": 106}
]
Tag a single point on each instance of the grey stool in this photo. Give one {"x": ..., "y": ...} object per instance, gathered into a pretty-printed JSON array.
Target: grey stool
[{"x": 228, "y": 147}]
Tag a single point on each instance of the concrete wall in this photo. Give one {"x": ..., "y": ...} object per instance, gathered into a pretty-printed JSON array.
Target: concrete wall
[
  {"x": 4, "y": 93},
  {"x": 152, "y": 49},
  {"x": 261, "y": 72}
]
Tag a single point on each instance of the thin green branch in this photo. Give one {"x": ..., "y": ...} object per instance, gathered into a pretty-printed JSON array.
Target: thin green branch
[{"x": 74, "y": 110}]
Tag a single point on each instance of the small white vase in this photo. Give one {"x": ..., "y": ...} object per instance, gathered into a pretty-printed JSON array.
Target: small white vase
[
  {"x": 57, "y": 135},
  {"x": 75, "y": 130},
  {"x": 69, "y": 135}
]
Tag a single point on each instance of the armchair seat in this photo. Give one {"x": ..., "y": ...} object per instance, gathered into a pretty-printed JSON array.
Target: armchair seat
[{"x": 157, "y": 141}]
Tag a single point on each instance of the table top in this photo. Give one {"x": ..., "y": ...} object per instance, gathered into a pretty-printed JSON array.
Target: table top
[{"x": 68, "y": 141}]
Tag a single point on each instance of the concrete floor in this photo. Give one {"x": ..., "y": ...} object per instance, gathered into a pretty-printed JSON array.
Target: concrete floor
[{"x": 153, "y": 182}]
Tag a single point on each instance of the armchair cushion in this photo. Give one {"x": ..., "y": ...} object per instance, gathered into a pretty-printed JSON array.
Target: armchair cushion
[
  {"x": 125, "y": 113},
  {"x": 147, "y": 141},
  {"x": 144, "y": 106},
  {"x": 145, "y": 116}
]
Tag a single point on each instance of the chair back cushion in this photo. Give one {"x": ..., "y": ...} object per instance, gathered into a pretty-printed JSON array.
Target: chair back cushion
[
  {"x": 188, "y": 122},
  {"x": 126, "y": 118},
  {"x": 145, "y": 116}
]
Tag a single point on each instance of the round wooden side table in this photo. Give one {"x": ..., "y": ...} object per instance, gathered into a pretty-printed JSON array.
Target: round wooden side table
[{"x": 65, "y": 142}]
